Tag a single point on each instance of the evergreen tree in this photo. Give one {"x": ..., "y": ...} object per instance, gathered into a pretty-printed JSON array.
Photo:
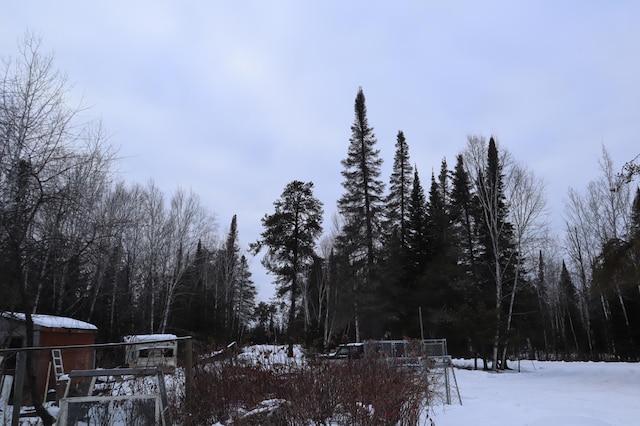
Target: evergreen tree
[
  {"x": 544, "y": 308},
  {"x": 264, "y": 331},
  {"x": 437, "y": 211},
  {"x": 290, "y": 235},
  {"x": 400, "y": 183},
  {"x": 245, "y": 300},
  {"x": 228, "y": 267},
  {"x": 393, "y": 271},
  {"x": 438, "y": 292},
  {"x": 462, "y": 214},
  {"x": 418, "y": 242},
  {"x": 569, "y": 313},
  {"x": 469, "y": 313},
  {"x": 361, "y": 208},
  {"x": 496, "y": 237}
]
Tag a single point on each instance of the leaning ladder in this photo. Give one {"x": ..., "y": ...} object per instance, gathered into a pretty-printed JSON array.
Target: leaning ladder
[{"x": 58, "y": 367}]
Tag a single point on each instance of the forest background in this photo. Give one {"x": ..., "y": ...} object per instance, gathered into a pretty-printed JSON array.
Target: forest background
[{"x": 504, "y": 138}]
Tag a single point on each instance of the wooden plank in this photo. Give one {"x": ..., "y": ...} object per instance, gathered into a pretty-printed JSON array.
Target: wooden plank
[{"x": 114, "y": 372}]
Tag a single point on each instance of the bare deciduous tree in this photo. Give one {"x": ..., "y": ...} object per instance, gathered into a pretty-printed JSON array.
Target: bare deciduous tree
[
  {"x": 527, "y": 205},
  {"x": 49, "y": 161},
  {"x": 591, "y": 220},
  {"x": 486, "y": 168}
]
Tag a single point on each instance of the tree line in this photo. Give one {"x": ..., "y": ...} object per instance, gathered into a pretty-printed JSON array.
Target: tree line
[
  {"x": 471, "y": 256},
  {"x": 77, "y": 241}
]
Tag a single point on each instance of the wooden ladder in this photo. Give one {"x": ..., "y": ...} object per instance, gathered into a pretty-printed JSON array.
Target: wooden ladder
[{"x": 58, "y": 368}]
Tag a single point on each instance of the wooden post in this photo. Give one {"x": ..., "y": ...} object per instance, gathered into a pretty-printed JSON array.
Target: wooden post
[
  {"x": 21, "y": 363},
  {"x": 188, "y": 371},
  {"x": 188, "y": 376},
  {"x": 46, "y": 385},
  {"x": 421, "y": 326}
]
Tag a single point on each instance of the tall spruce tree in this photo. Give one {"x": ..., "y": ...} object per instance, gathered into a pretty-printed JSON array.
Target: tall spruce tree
[
  {"x": 228, "y": 268},
  {"x": 395, "y": 262},
  {"x": 463, "y": 214},
  {"x": 400, "y": 183},
  {"x": 437, "y": 211},
  {"x": 418, "y": 242},
  {"x": 404, "y": 268},
  {"x": 467, "y": 314},
  {"x": 361, "y": 207},
  {"x": 438, "y": 292},
  {"x": 568, "y": 312}
]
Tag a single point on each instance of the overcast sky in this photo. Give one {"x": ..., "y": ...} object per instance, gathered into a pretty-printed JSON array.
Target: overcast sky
[{"x": 235, "y": 99}]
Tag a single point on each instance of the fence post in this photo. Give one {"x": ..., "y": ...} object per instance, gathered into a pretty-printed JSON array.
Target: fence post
[
  {"x": 188, "y": 371},
  {"x": 21, "y": 362}
]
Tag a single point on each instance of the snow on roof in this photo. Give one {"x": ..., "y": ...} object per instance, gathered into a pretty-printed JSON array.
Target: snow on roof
[
  {"x": 149, "y": 337},
  {"x": 51, "y": 321}
]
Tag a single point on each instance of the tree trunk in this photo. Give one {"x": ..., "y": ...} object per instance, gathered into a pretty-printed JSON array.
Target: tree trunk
[
  {"x": 496, "y": 337},
  {"x": 509, "y": 318},
  {"x": 292, "y": 315},
  {"x": 356, "y": 321}
]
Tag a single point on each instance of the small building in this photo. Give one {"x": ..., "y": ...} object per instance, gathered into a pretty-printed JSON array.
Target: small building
[
  {"x": 49, "y": 330},
  {"x": 151, "y": 350}
]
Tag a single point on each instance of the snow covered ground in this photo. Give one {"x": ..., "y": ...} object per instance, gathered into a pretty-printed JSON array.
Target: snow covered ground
[
  {"x": 546, "y": 394},
  {"x": 541, "y": 394}
]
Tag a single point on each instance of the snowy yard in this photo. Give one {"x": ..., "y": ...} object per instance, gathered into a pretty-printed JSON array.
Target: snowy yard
[
  {"x": 541, "y": 394},
  {"x": 547, "y": 394}
]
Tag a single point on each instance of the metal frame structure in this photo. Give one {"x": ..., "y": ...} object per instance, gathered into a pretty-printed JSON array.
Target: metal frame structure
[
  {"x": 16, "y": 382},
  {"x": 83, "y": 383},
  {"x": 440, "y": 365}
]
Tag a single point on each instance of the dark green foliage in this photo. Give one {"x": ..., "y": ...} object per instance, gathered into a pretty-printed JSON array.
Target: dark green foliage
[
  {"x": 289, "y": 236},
  {"x": 361, "y": 208},
  {"x": 398, "y": 198},
  {"x": 418, "y": 243},
  {"x": 438, "y": 286},
  {"x": 394, "y": 275},
  {"x": 463, "y": 215},
  {"x": 361, "y": 205},
  {"x": 570, "y": 321},
  {"x": 264, "y": 330}
]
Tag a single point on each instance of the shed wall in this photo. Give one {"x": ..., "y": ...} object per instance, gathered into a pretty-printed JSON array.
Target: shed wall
[{"x": 72, "y": 359}]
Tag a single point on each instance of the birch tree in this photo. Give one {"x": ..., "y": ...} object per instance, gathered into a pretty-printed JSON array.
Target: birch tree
[
  {"x": 497, "y": 231},
  {"x": 43, "y": 146},
  {"x": 188, "y": 223},
  {"x": 527, "y": 203},
  {"x": 592, "y": 221}
]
